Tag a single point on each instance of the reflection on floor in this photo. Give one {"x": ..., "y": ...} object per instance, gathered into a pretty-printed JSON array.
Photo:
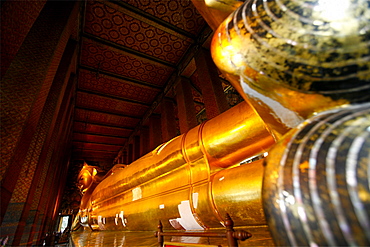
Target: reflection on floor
[{"x": 86, "y": 238}]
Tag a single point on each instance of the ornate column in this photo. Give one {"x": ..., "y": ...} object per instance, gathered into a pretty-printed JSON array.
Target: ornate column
[
  {"x": 169, "y": 129},
  {"x": 124, "y": 157},
  {"x": 144, "y": 140},
  {"x": 185, "y": 105},
  {"x": 213, "y": 94},
  {"x": 136, "y": 147},
  {"x": 155, "y": 131},
  {"x": 59, "y": 160},
  {"x": 130, "y": 154}
]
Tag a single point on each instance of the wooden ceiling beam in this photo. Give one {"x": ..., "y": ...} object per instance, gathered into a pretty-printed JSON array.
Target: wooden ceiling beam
[
  {"x": 93, "y": 150},
  {"x": 96, "y": 134},
  {"x": 98, "y": 143},
  {"x": 119, "y": 77},
  {"x": 112, "y": 97},
  {"x": 106, "y": 112},
  {"x": 105, "y": 125}
]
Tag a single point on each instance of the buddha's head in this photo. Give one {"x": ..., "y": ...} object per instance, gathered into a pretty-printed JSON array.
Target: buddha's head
[
  {"x": 86, "y": 177},
  {"x": 293, "y": 59}
]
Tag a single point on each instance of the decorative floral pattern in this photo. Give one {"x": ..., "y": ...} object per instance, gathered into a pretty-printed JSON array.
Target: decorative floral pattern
[{"x": 115, "y": 26}]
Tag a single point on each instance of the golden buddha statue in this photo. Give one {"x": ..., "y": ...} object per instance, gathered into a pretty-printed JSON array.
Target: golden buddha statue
[{"x": 190, "y": 182}]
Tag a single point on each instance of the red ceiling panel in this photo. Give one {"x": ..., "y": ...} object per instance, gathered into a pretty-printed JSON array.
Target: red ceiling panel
[
  {"x": 95, "y": 146},
  {"x": 180, "y": 13},
  {"x": 98, "y": 139},
  {"x": 99, "y": 129},
  {"x": 96, "y": 102},
  {"x": 114, "y": 87},
  {"x": 104, "y": 118},
  {"x": 114, "y": 25},
  {"x": 94, "y": 155},
  {"x": 118, "y": 62}
]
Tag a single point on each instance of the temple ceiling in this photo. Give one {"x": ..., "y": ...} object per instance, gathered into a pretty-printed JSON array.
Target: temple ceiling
[{"x": 131, "y": 52}]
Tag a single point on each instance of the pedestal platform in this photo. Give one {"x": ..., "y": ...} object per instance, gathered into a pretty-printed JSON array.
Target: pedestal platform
[{"x": 260, "y": 237}]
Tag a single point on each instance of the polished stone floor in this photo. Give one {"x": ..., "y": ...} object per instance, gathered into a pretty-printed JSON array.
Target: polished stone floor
[{"x": 260, "y": 237}]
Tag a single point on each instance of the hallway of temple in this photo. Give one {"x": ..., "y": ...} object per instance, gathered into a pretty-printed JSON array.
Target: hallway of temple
[{"x": 119, "y": 114}]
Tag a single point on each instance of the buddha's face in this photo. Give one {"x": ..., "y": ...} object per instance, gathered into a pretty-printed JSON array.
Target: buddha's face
[{"x": 85, "y": 179}]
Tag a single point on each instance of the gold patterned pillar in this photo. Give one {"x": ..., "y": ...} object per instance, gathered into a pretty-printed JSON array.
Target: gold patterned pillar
[
  {"x": 144, "y": 140},
  {"x": 136, "y": 147},
  {"x": 130, "y": 153},
  {"x": 52, "y": 158},
  {"x": 31, "y": 174},
  {"x": 210, "y": 84},
  {"x": 57, "y": 160},
  {"x": 185, "y": 105},
  {"x": 28, "y": 111},
  {"x": 155, "y": 131},
  {"x": 124, "y": 157},
  {"x": 17, "y": 18},
  {"x": 169, "y": 129}
]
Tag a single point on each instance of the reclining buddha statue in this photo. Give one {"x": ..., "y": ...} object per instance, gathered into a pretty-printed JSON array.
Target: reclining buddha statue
[{"x": 295, "y": 155}]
